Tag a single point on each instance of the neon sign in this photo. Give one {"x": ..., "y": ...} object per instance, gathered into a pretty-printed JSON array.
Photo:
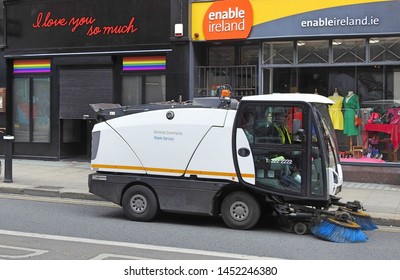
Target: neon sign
[{"x": 47, "y": 21}]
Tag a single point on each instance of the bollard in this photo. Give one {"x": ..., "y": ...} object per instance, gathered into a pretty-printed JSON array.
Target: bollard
[{"x": 8, "y": 139}]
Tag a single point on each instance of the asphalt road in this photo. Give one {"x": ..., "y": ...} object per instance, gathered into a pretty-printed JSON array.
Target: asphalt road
[{"x": 76, "y": 229}]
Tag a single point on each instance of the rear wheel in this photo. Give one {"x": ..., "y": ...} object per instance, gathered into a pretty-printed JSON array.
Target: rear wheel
[
  {"x": 240, "y": 210},
  {"x": 140, "y": 204}
]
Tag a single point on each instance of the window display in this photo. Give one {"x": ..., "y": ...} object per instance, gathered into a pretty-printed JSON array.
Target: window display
[
  {"x": 351, "y": 105},
  {"x": 384, "y": 138},
  {"x": 381, "y": 131},
  {"x": 335, "y": 110}
]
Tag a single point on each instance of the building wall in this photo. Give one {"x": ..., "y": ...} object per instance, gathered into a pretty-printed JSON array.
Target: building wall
[{"x": 77, "y": 36}]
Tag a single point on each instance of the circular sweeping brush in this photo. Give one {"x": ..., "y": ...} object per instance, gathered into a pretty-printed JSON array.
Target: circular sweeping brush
[
  {"x": 339, "y": 231},
  {"x": 361, "y": 218}
]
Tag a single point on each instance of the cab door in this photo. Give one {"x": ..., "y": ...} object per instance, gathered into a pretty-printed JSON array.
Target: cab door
[{"x": 277, "y": 146}]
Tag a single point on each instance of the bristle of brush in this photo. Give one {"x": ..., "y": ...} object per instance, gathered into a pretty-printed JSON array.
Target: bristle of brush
[
  {"x": 336, "y": 233},
  {"x": 365, "y": 223}
]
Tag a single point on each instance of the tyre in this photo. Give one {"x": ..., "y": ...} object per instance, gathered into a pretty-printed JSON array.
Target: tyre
[
  {"x": 240, "y": 210},
  {"x": 300, "y": 228},
  {"x": 140, "y": 204}
]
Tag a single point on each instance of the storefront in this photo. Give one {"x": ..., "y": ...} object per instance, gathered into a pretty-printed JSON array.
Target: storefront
[
  {"x": 62, "y": 56},
  {"x": 334, "y": 48}
]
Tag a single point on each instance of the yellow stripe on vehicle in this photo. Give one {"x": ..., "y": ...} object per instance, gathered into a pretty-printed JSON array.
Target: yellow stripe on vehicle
[
  {"x": 215, "y": 173},
  {"x": 170, "y": 170},
  {"x": 123, "y": 167}
]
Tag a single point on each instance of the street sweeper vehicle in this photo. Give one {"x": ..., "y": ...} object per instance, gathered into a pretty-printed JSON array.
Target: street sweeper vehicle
[{"x": 268, "y": 155}]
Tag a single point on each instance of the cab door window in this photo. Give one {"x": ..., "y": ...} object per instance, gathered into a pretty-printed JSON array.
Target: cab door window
[{"x": 277, "y": 141}]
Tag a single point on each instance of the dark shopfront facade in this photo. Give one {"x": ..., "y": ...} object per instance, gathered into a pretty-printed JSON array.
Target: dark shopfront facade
[
  {"x": 62, "y": 55},
  {"x": 261, "y": 47}
]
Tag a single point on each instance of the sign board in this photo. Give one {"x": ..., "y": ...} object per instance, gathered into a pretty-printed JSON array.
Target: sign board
[{"x": 260, "y": 19}]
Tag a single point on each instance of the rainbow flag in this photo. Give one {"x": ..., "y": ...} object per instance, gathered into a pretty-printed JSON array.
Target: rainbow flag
[
  {"x": 144, "y": 63},
  {"x": 31, "y": 66}
]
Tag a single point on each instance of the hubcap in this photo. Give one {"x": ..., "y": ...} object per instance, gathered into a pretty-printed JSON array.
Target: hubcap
[
  {"x": 239, "y": 211},
  {"x": 138, "y": 203}
]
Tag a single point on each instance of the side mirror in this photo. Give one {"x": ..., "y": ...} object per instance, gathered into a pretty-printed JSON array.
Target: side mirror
[{"x": 300, "y": 136}]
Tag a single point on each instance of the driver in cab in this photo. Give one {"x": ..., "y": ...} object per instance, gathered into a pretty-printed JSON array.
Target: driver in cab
[{"x": 277, "y": 131}]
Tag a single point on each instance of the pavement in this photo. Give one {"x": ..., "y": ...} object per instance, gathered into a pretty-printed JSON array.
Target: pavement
[{"x": 69, "y": 179}]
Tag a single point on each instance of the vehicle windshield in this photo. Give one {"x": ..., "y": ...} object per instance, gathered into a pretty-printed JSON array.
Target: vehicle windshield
[{"x": 329, "y": 135}]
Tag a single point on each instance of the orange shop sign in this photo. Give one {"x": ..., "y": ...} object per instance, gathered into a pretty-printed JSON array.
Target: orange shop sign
[{"x": 228, "y": 19}]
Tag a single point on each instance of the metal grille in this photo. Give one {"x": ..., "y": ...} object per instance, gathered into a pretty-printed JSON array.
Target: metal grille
[
  {"x": 242, "y": 79},
  {"x": 313, "y": 51},
  {"x": 278, "y": 53},
  {"x": 384, "y": 49},
  {"x": 352, "y": 50}
]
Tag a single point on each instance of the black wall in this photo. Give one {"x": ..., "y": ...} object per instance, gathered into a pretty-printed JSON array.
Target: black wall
[
  {"x": 54, "y": 25},
  {"x": 178, "y": 60}
]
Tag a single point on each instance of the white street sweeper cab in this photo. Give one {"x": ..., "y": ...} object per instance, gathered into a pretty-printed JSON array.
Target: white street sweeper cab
[{"x": 272, "y": 154}]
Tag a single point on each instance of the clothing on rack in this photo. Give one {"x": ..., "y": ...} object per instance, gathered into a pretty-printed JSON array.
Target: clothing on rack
[
  {"x": 351, "y": 105},
  {"x": 335, "y": 110}
]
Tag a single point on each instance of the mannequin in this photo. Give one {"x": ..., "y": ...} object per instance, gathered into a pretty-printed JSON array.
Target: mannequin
[
  {"x": 351, "y": 105},
  {"x": 335, "y": 110},
  {"x": 350, "y": 93}
]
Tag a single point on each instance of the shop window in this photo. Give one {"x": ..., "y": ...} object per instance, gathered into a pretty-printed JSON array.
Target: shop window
[
  {"x": 313, "y": 80},
  {"x": 283, "y": 80},
  {"x": 384, "y": 49},
  {"x": 395, "y": 84},
  {"x": 349, "y": 50},
  {"x": 221, "y": 55},
  {"x": 139, "y": 89},
  {"x": 131, "y": 90},
  {"x": 313, "y": 51},
  {"x": 154, "y": 88},
  {"x": 249, "y": 55},
  {"x": 31, "y": 107},
  {"x": 370, "y": 83},
  {"x": 278, "y": 53}
]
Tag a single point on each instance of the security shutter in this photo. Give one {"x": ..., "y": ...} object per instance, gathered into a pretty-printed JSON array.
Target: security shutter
[{"x": 81, "y": 87}]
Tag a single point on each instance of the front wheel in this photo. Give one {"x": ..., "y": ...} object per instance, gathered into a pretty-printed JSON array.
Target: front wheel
[
  {"x": 140, "y": 204},
  {"x": 240, "y": 210}
]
